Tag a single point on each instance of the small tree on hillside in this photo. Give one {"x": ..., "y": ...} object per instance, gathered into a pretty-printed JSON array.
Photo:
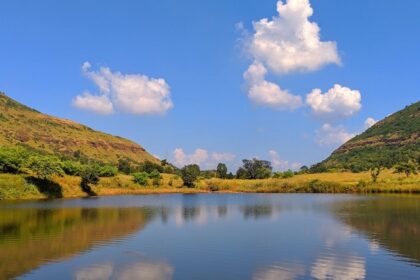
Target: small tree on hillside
[
  {"x": 90, "y": 176},
  {"x": 189, "y": 174},
  {"x": 221, "y": 170},
  {"x": 374, "y": 173},
  {"x": 407, "y": 167}
]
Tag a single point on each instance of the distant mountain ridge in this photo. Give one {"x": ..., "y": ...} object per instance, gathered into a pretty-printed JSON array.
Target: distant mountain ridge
[
  {"x": 24, "y": 126},
  {"x": 390, "y": 141}
]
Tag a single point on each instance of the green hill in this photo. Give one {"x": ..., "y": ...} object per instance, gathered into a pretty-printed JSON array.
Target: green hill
[
  {"x": 392, "y": 140},
  {"x": 26, "y": 127}
]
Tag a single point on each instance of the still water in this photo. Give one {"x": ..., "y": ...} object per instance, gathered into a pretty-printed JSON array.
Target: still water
[{"x": 212, "y": 236}]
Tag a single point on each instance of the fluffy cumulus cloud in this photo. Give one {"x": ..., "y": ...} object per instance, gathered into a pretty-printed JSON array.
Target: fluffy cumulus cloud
[
  {"x": 202, "y": 157},
  {"x": 287, "y": 43},
  {"x": 369, "y": 122},
  {"x": 266, "y": 93},
  {"x": 280, "y": 164},
  {"x": 337, "y": 103},
  {"x": 329, "y": 135},
  {"x": 131, "y": 93},
  {"x": 290, "y": 42},
  {"x": 100, "y": 104}
]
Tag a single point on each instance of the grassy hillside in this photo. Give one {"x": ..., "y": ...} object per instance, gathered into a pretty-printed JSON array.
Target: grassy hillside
[
  {"x": 24, "y": 126},
  {"x": 392, "y": 140}
]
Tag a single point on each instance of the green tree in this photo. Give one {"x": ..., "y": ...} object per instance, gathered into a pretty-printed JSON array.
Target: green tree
[
  {"x": 140, "y": 178},
  {"x": 407, "y": 168},
  {"x": 90, "y": 176},
  {"x": 374, "y": 173},
  {"x": 124, "y": 166},
  {"x": 189, "y": 174},
  {"x": 256, "y": 169},
  {"x": 221, "y": 170}
]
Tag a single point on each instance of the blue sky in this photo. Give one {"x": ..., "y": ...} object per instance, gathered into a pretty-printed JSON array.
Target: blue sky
[{"x": 188, "y": 59}]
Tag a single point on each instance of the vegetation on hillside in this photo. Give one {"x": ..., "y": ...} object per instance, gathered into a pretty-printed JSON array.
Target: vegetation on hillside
[
  {"x": 21, "y": 126},
  {"x": 388, "y": 143}
]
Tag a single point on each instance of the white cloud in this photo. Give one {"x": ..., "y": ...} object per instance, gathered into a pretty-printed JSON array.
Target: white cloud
[
  {"x": 267, "y": 93},
  {"x": 329, "y": 135},
  {"x": 202, "y": 157},
  {"x": 280, "y": 164},
  {"x": 99, "y": 104},
  {"x": 337, "y": 102},
  {"x": 369, "y": 122},
  {"x": 287, "y": 43},
  {"x": 131, "y": 93},
  {"x": 290, "y": 42}
]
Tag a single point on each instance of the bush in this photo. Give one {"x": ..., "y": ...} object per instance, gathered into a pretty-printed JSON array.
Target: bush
[
  {"x": 149, "y": 167},
  {"x": 45, "y": 167},
  {"x": 140, "y": 178},
  {"x": 72, "y": 168},
  {"x": 189, "y": 174},
  {"x": 288, "y": 174},
  {"x": 107, "y": 171},
  {"x": 90, "y": 175},
  {"x": 12, "y": 159}
]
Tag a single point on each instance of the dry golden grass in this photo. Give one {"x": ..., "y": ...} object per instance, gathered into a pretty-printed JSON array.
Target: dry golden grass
[{"x": 16, "y": 187}]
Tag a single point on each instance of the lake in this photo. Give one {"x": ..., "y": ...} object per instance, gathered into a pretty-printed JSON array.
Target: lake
[{"x": 212, "y": 236}]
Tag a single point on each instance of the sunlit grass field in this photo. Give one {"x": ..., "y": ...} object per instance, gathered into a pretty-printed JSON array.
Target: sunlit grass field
[{"x": 18, "y": 187}]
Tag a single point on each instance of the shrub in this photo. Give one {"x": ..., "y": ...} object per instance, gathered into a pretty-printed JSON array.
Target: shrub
[
  {"x": 189, "y": 174},
  {"x": 107, "y": 171},
  {"x": 89, "y": 175},
  {"x": 140, "y": 178},
  {"x": 12, "y": 159},
  {"x": 149, "y": 167},
  {"x": 288, "y": 174},
  {"x": 72, "y": 168},
  {"x": 45, "y": 167}
]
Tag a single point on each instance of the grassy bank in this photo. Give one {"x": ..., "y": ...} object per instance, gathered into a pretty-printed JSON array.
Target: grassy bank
[{"x": 26, "y": 187}]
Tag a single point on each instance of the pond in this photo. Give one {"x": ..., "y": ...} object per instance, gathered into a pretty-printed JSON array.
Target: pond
[{"x": 212, "y": 236}]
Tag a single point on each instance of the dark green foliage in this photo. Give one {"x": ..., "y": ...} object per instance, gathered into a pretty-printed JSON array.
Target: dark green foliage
[
  {"x": 189, "y": 174},
  {"x": 407, "y": 168},
  {"x": 12, "y": 159},
  {"x": 304, "y": 169},
  {"x": 90, "y": 176},
  {"x": 221, "y": 170},
  {"x": 44, "y": 167},
  {"x": 254, "y": 169},
  {"x": 72, "y": 168},
  {"x": 124, "y": 166},
  {"x": 374, "y": 173},
  {"x": 107, "y": 171},
  {"x": 140, "y": 178},
  {"x": 286, "y": 174},
  {"x": 149, "y": 167},
  {"x": 207, "y": 174}
]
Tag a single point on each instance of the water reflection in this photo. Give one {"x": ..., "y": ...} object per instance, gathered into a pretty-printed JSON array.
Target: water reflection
[
  {"x": 258, "y": 237},
  {"x": 140, "y": 270},
  {"x": 389, "y": 221},
  {"x": 31, "y": 237}
]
